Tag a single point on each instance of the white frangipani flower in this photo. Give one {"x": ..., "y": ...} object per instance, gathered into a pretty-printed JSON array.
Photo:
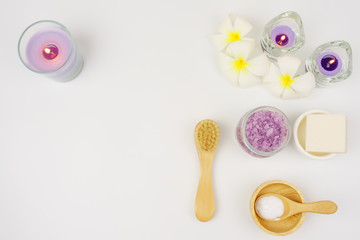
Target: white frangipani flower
[
  {"x": 283, "y": 82},
  {"x": 238, "y": 69},
  {"x": 231, "y": 30}
]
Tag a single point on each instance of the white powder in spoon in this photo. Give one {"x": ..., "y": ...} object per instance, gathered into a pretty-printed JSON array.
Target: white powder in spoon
[{"x": 270, "y": 207}]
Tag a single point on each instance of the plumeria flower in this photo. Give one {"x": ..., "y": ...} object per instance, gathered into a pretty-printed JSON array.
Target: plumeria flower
[
  {"x": 231, "y": 30},
  {"x": 238, "y": 69},
  {"x": 283, "y": 81}
]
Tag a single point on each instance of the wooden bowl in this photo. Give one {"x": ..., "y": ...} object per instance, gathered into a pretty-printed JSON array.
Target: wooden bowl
[{"x": 281, "y": 227}]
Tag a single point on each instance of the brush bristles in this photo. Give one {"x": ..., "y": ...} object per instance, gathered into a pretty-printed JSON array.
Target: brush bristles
[{"x": 208, "y": 134}]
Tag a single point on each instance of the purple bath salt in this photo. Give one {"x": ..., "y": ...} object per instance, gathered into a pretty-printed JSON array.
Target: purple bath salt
[{"x": 266, "y": 130}]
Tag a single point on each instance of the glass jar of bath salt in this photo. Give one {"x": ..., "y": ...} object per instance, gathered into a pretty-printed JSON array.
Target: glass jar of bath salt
[{"x": 263, "y": 131}]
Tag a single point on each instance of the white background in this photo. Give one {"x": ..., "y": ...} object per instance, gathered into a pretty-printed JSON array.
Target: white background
[{"x": 111, "y": 154}]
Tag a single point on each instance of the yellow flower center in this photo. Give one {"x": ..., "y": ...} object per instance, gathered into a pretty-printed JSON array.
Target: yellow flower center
[
  {"x": 233, "y": 37},
  {"x": 240, "y": 64},
  {"x": 286, "y": 81}
]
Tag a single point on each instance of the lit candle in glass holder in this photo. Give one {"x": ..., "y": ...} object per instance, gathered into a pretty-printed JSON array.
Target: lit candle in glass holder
[
  {"x": 331, "y": 62},
  {"x": 46, "y": 47},
  {"x": 283, "y": 35}
]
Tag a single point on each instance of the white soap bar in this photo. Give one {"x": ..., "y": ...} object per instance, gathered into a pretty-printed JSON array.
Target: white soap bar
[{"x": 326, "y": 133}]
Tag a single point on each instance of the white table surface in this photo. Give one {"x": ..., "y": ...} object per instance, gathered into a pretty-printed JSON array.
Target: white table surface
[{"x": 111, "y": 155}]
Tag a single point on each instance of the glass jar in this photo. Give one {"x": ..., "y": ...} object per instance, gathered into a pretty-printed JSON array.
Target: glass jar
[
  {"x": 330, "y": 63},
  {"x": 263, "y": 131}
]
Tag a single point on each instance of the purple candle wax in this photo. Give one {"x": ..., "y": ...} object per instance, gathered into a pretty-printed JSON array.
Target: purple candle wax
[
  {"x": 283, "y": 36},
  {"x": 329, "y": 63},
  {"x": 59, "y": 41}
]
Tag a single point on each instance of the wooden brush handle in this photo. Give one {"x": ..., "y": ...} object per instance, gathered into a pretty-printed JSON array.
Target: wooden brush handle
[{"x": 204, "y": 201}]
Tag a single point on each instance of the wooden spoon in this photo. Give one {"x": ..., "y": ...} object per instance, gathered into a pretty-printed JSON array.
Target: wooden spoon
[{"x": 292, "y": 208}]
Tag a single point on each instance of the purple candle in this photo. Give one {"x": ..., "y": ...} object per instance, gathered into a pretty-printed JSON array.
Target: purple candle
[
  {"x": 283, "y": 36},
  {"x": 263, "y": 131},
  {"x": 46, "y": 47},
  {"x": 329, "y": 63},
  {"x": 48, "y": 50}
]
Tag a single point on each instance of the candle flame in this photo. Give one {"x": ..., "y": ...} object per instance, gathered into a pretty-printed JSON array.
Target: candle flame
[
  {"x": 50, "y": 52},
  {"x": 282, "y": 39},
  {"x": 47, "y": 50},
  {"x": 331, "y": 61}
]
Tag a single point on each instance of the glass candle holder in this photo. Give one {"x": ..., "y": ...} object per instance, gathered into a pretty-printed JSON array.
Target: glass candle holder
[
  {"x": 330, "y": 63},
  {"x": 263, "y": 132},
  {"x": 46, "y": 47},
  {"x": 283, "y": 35}
]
